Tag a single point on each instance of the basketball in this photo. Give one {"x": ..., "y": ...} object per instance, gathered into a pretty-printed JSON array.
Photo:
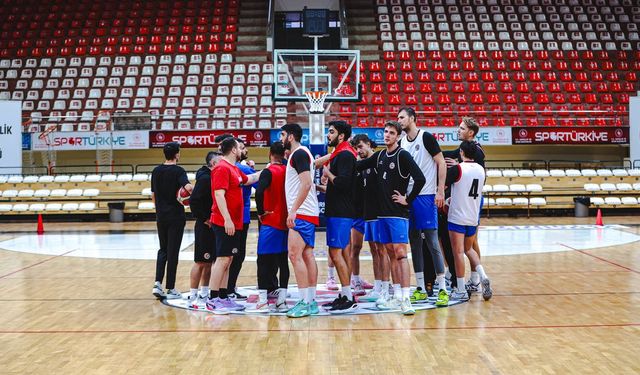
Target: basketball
[{"x": 183, "y": 196}]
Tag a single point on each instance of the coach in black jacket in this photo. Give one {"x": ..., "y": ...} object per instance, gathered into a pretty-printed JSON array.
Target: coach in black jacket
[{"x": 204, "y": 244}]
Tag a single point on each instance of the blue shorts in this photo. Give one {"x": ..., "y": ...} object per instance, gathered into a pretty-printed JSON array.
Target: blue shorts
[
  {"x": 306, "y": 230},
  {"x": 339, "y": 232},
  {"x": 480, "y": 211},
  {"x": 393, "y": 230},
  {"x": 423, "y": 213},
  {"x": 272, "y": 240},
  {"x": 467, "y": 230},
  {"x": 358, "y": 224},
  {"x": 371, "y": 231}
]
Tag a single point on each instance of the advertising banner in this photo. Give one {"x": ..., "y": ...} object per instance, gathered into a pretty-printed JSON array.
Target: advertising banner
[
  {"x": 10, "y": 137},
  {"x": 487, "y": 136},
  {"x": 76, "y": 141},
  {"x": 570, "y": 135},
  {"x": 206, "y": 138},
  {"x": 634, "y": 130}
]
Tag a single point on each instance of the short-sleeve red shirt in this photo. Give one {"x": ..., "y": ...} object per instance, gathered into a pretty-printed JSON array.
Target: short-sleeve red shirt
[{"x": 228, "y": 177}]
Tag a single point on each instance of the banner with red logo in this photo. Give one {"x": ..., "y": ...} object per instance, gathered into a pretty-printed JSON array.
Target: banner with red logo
[
  {"x": 206, "y": 138},
  {"x": 570, "y": 135},
  {"x": 75, "y": 141}
]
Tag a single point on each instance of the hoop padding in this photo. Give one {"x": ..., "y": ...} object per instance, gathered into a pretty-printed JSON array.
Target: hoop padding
[{"x": 316, "y": 100}]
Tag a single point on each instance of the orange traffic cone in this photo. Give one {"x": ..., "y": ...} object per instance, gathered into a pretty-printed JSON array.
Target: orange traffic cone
[
  {"x": 599, "y": 218},
  {"x": 40, "y": 229}
]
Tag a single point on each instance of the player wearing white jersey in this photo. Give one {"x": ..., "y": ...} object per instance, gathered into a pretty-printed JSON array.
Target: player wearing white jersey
[
  {"x": 303, "y": 217},
  {"x": 423, "y": 220},
  {"x": 466, "y": 183}
]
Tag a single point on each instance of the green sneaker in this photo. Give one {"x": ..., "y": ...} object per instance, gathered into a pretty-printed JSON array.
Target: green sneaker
[
  {"x": 313, "y": 308},
  {"x": 443, "y": 298},
  {"x": 295, "y": 310},
  {"x": 418, "y": 296}
]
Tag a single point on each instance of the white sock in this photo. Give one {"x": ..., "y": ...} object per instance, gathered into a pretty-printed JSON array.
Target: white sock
[
  {"x": 480, "y": 271},
  {"x": 397, "y": 291},
  {"x": 204, "y": 291},
  {"x": 346, "y": 291},
  {"x": 303, "y": 294},
  {"x": 193, "y": 292},
  {"x": 282, "y": 295},
  {"x": 461, "y": 284},
  {"x": 311, "y": 293},
  {"x": 377, "y": 285},
  {"x": 262, "y": 295},
  {"x": 406, "y": 293},
  {"x": 385, "y": 287},
  {"x": 331, "y": 272},
  {"x": 420, "y": 280},
  {"x": 441, "y": 283},
  {"x": 475, "y": 278},
  {"x": 447, "y": 274}
]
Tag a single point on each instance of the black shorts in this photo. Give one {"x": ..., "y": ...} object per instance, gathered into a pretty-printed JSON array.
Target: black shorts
[
  {"x": 227, "y": 246},
  {"x": 204, "y": 245}
]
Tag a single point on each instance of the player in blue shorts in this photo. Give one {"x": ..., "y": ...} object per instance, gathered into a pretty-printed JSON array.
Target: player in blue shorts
[
  {"x": 367, "y": 192},
  {"x": 340, "y": 211},
  {"x": 466, "y": 183},
  {"x": 425, "y": 246},
  {"x": 394, "y": 167}
]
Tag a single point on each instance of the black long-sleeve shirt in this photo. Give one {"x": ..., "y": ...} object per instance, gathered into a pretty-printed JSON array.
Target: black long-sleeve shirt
[
  {"x": 455, "y": 154},
  {"x": 339, "y": 198},
  {"x": 263, "y": 184},
  {"x": 394, "y": 171},
  {"x": 201, "y": 198}
]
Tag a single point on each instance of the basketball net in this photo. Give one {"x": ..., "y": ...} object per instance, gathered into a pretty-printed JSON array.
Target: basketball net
[
  {"x": 316, "y": 100},
  {"x": 49, "y": 158}
]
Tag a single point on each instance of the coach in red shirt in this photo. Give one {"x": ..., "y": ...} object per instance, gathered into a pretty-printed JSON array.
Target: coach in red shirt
[{"x": 226, "y": 217}]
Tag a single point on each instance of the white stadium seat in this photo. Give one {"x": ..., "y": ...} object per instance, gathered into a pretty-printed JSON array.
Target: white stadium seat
[
  {"x": 74, "y": 193},
  {"x": 591, "y": 187},
  {"x": 36, "y": 207},
  {"x": 614, "y": 201},
  {"x": 494, "y": 173},
  {"x": 124, "y": 177},
  {"x": 541, "y": 173},
  {"x": 634, "y": 172},
  {"x": 500, "y": 188},
  {"x": 623, "y": 186},
  {"x": 9, "y": 193},
  {"x": 77, "y": 178},
  {"x": 588, "y": 173},
  {"x": 14, "y": 180},
  {"x": 46, "y": 179},
  {"x": 573, "y": 173},
  {"x": 20, "y": 207},
  {"x": 5, "y": 207},
  {"x": 629, "y": 200},
  {"x": 87, "y": 206},
  {"x": 538, "y": 201},
  {"x": 557, "y": 173},
  {"x": 53, "y": 207},
  {"x": 58, "y": 193},
  {"x": 487, "y": 188},
  {"x": 620, "y": 172},
  {"x": 525, "y": 173},
  {"x": 534, "y": 188},
  {"x": 517, "y": 188},
  {"x": 42, "y": 193},
  {"x": 30, "y": 179},
  {"x": 26, "y": 193},
  {"x": 596, "y": 201},
  {"x": 604, "y": 172},
  {"x": 504, "y": 202},
  {"x": 146, "y": 192},
  {"x": 61, "y": 178},
  {"x": 91, "y": 193},
  {"x": 92, "y": 178},
  {"x": 520, "y": 201},
  {"x": 510, "y": 173},
  {"x": 607, "y": 187},
  {"x": 146, "y": 206},
  {"x": 140, "y": 177},
  {"x": 108, "y": 178},
  {"x": 70, "y": 207}
]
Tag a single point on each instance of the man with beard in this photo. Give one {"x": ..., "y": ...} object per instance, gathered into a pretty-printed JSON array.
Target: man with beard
[
  {"x": 204, "y": 244},
  {"x": 367, "y": 191},
  {"x": 341, "y": 174},
  {"x": 395, "y": 167},
  {"x": 425, "y": 246},
  {"x": 227, "y": 219},
  {"x": 302, "y": 219}
]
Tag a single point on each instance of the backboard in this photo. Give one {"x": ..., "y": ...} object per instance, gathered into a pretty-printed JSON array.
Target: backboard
[{"x": 298, "y": 71}]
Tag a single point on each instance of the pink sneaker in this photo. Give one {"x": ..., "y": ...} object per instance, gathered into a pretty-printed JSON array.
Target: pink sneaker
[
  {"x": 331, "y": 283},
  {"x": 365, "y": 284}
]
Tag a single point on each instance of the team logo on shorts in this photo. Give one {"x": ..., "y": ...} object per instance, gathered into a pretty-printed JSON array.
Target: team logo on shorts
[
  {"x": 234, "y": 250},
  {"x": 207, "y": 256},
  {"x": 392, "y": 165}
]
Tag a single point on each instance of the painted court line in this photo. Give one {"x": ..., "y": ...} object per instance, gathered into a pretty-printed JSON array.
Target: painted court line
[
  {"x": 385, "y": 329},
  {"x": 602, "y": 259},
  {"x": 37, "y": 264}
]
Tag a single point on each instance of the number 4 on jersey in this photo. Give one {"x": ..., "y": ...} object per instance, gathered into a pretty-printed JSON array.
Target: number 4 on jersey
[{"x": 473, "y": 192}]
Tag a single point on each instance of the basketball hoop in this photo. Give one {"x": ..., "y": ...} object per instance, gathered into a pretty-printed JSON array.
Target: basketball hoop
[
  {"x": 45, "y": 134},
  {"x": 316, "y": 100}
]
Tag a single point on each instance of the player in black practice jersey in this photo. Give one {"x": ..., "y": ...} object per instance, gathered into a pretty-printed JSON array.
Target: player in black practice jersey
[{"x": 394, "y": 167}]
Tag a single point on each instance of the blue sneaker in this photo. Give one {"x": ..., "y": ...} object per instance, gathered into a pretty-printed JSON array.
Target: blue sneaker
[
  {"x": 313, "y": 308},
  {"x": 301, "y": 309}
]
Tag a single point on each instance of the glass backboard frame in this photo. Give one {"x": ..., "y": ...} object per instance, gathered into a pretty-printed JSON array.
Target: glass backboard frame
[{"x": 299, "y": 66}]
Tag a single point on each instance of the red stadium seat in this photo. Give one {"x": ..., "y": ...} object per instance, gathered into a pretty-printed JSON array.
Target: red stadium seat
[{"x": 393, "y": 88}]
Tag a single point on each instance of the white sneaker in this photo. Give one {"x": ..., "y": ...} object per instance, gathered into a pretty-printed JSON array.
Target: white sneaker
[
  {"x": 405, "y": 306},
  {"x": 195, "y": 302},
  {"x": 173, "y": 294},
  {"x": 373, "y": 296},
  {"x": 386, "y": 303},
  {"x": 282, "y": 307},
  {"x": 459, "y": 295},
  {"x": 260, "y": 307},
  {"x": 157, "y": 290},
  {"x": 358, "y": 289}
]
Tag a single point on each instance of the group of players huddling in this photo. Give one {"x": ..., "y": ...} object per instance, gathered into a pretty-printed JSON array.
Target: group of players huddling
[{"x": 390, "y": 198}]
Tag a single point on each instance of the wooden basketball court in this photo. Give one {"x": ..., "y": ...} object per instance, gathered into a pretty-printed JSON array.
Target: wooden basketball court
[{"x": 576, "y": 311}]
